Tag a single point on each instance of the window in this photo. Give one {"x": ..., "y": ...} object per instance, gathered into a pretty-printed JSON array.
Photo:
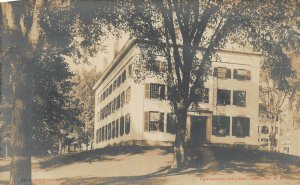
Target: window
[
  {"x": 263, "y": 111},
  {"x": 122, "y": 99},
  {"x": 117, "y": 128},
  {"x": 119, "y": 81},
  {"x": 157, "y": 66},
  {"x": 157, "y": 91},
  {"x": 171, "y": 123},
  {"x": 118, "y": 103},
  {"x": 109, "y": 108},
  {"x": 220, "y": 125},
  {"x": 110, "y": 89},
  {"x": 130, "y": 70},
  {"x": 113, "y": 105},
  {"x": 122, "y": 126},
  {"x": 240, "y": 126},
  {"x": 127, "y": 123},
  {"x": 105, "y": 132},
  {"x": 109, "y": 131},
  {"x": 123, "y": 76},
  {"x": 100, "y": 137},
  {"x": 239, "y": 98},
  {"x": 222, "y": 72},
  {"x": 241, "y": 74},
  {"x": 156, "y": 122},
  {"x": 106, "y": 93},
  {"x": 113, "y": 130},
  {"x": 128, "y": 95},
  {"x": 114, "y": 85},
  {"x": 97, "y": 134},
  {"x": 264, "y": 130},
  {"x": 223, "y": 97}
]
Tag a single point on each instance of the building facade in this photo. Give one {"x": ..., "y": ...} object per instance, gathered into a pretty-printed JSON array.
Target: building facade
[{"x": 139, "y": 113}]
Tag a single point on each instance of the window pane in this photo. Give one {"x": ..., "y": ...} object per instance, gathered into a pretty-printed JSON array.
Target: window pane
[
  {"x": 264, "y": 130},
  {"x": 103, "y": 134},
  {"x": 118, "y": 102},
  {"x": 223, "y": 97},
  {"x": 100, "y": 135},
  {"x": 154, "y": 121},
  {"x": 240, "y": 126},
  {"x": 119, "y": 81},
  {"x": 113, "y": 129},
  {"x": 239, "y": 98},
  {"x": 122, "y": 99},
  {"x": 109, "y": 131},
  {"x": 123, "y": 76},
  {"x": 110, "y": 89},
  {"x": 157, "y": 91},
  {"x": 220, "y": 125},
  {"x": 122, "y": 126},
  {"x": 127, "y": 125},
  {"x": 241, "y": 74},
  {"x": 128, "y": 95},
  {"x": 117, "y": 128},
  {"x": 105, "y": 137}
]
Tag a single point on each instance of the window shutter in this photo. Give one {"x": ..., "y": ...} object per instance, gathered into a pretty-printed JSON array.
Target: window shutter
[
  {"x": 146, "y": 121},
  {"x": 215, "y": 73},
  {"x": 147, "y": 91},
  {"x": 248, "y": 75},
  {"x": 162, "y": 92},
  {"x": 162, "y": 118},
  {"x": 228, "y": 73}
]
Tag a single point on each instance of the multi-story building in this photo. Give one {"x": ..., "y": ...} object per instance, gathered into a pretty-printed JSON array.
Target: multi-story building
[{"x": 139, "y": 113}]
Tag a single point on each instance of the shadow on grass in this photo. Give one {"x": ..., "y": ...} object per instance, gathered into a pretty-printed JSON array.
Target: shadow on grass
[
  {"x": 97, "y": 155},
  {"x": 250, "y": 162},
  {"x": 213, "y": 160}
]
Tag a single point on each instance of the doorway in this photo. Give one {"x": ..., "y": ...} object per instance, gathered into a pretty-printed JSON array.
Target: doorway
[{"x": 198, "y": 130}]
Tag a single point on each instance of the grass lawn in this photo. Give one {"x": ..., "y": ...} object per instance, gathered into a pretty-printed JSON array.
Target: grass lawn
[{"x": 149, "y": 165}]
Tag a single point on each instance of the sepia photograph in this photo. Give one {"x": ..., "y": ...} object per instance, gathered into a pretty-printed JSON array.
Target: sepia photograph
[{"x": 149, "y": 92}]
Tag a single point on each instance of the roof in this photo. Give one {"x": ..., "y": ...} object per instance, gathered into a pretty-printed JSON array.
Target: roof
[{"x": 118, "y": 58}]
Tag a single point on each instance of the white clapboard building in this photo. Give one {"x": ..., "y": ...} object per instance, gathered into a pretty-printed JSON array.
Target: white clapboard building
[{"x": 134, "y": 113}]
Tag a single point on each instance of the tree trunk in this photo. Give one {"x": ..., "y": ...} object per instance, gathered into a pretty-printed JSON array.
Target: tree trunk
[
  {"x": 21, "y": 127},
  {"x": 179, "y": 144}
]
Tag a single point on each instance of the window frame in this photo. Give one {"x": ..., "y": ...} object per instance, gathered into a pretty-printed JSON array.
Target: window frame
[
  {"x": 239, "y": 103},
  {"x": 245, "y": 125},
  {"x": 226, "y": 102},
  {"x": 220, "y": 122}
]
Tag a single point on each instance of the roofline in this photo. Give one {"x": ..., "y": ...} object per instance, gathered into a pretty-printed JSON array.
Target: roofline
[
  {"x": 121, "y": 54},
  {"x": 128, "y": 46}
]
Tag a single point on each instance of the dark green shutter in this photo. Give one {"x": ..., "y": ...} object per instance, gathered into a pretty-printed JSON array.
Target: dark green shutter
[
  {"x": 162, "y": 119},
  {"x": 146, "y": 121}
]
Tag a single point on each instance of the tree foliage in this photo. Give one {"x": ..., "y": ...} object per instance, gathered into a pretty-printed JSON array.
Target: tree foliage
[{"x": 83, "y": 94}]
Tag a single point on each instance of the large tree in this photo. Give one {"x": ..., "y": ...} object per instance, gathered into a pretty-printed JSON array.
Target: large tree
[
  {"x": 61, "y": 25},
  {"x": 188, "y": 34}
]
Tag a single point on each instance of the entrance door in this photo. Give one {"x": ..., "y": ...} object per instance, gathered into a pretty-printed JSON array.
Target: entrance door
[{"x": 198, "y": 129}]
